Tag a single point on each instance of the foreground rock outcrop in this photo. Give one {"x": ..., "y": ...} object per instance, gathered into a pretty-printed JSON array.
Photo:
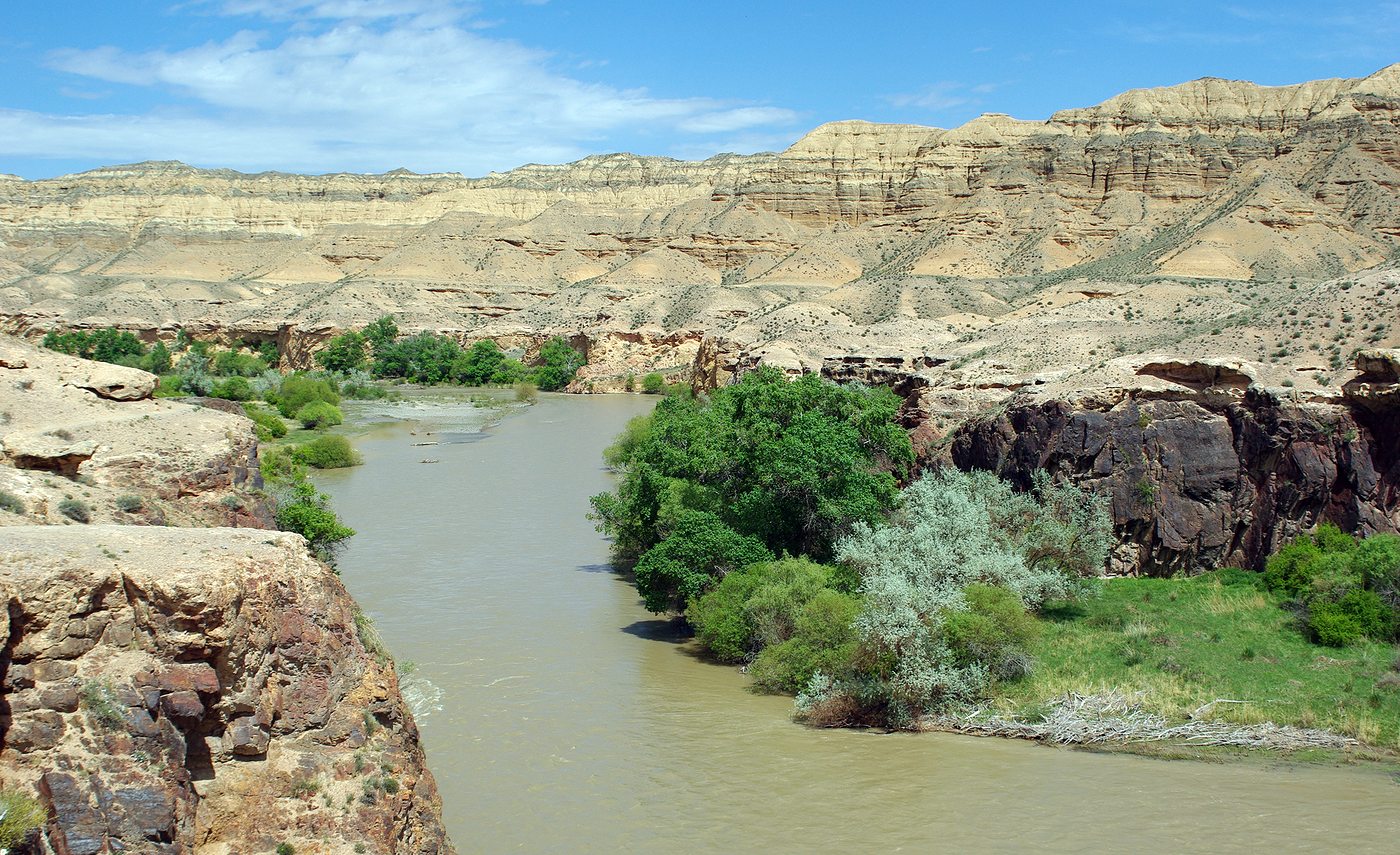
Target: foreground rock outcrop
[
  {"x": 181, "y": 689},
  {"x": 201, "y": 690}
]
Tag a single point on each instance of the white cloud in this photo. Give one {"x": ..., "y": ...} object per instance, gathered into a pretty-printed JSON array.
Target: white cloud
[
  {"x": 362, "y": 85},
  {"x": 935, "y": 96}
]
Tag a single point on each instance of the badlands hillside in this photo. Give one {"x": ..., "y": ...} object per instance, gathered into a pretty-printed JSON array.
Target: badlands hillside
[{"x": 1215, "y": 218}]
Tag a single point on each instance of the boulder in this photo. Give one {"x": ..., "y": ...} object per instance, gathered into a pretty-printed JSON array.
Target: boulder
[
  {"x": 1379, "y": 365},
  {"x": 116, "y": 382},
  {"x": 48, "y": 452}
]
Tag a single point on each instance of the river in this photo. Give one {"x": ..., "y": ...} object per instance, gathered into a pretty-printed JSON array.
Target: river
[{"x": 560, "y": 716}]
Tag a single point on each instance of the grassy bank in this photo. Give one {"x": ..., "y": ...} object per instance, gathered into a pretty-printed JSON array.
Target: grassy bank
[{"x": 1181, "y": 644}]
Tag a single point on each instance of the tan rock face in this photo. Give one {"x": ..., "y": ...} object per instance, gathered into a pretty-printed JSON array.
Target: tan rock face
[
  {"x": 202, "y": 690},
  {"x": 995, "y": 237},
  {"x": 89, "y": 432}
]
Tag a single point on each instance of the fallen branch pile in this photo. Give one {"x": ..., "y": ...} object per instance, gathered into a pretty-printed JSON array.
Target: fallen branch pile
[{"x": 1088, "y": 719}]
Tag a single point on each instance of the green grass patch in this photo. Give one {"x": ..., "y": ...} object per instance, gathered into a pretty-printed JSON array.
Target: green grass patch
[{"x": 1183, "y": 643}]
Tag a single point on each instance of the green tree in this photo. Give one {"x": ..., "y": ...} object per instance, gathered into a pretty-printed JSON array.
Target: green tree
[
  {"x": 303, "y": 509},
  {"x": 792, "y": 463},
  {"x": 479, "y": 364},
  {"x": 344, "y": 353},
  {"x": 558, "y": 362},
  {"x": 423, "y": 358},
  {"x": 654, "y": 384},
  {"x": 698, "y": 551},
  {"x": 381, "y": 333},
  {"x": 159, "y": 361}
]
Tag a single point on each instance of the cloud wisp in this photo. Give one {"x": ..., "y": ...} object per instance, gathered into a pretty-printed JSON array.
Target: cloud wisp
[{"x": 362, "y": 85}]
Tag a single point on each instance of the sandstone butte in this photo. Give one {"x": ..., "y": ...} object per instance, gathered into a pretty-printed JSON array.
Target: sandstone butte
[
  {"x": 1184, "y": 297},
  {"x": 176, "y": 676}
]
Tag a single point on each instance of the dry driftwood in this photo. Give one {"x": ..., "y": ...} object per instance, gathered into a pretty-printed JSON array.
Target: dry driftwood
[{"x": 1088, "y": 719}]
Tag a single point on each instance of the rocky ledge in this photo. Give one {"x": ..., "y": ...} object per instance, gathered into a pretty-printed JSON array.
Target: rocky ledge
[
  {"x": 201, "y": 690},
  {"x": 167, "y": 689}
]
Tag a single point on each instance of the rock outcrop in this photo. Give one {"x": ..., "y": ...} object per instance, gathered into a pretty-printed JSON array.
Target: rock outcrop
[
  {"x": 201, "y": 690},
  {"x": 193, "y": 689},
  {"x": 1199, "y": 479},
  {"x": 121, "y": 454}
]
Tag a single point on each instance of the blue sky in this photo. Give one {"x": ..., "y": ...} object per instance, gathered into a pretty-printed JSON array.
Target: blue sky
[{"x": 433, "y": 85}]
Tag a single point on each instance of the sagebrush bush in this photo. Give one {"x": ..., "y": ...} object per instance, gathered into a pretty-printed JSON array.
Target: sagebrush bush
[
  {"x": 10, "y": 502},
  {"x": 129, "y": 503},
  {"x": 956, "y": 532},
  {"x": 76, "y": 510}
]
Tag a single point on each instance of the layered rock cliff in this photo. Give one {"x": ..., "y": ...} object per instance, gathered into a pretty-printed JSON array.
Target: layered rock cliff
[
  {"x": 859, "y": 237},
  {"x": 181, "y": 689}
]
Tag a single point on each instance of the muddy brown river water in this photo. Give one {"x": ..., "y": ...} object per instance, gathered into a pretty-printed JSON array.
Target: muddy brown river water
[{"x": 560, "y": 716}]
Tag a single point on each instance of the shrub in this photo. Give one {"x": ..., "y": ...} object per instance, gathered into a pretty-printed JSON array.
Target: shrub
[
  {"x": 298, "y": 390},
  {"x": 319, "y": 415},
  {"x": 20, "y": 816},
  {"x": 266, "y": 425},
  {"x": 1332, "y": 626},
  {"x": 76, "y": 510},
  {"x": 12, "y": 503},
  {"x": 99, "y": 700},
  {"x": 823, "y": 639},
  {"x": 303, "y": 509},
  {"x": 129, "y": 503},
  {"x": 526, "y": 392},
  {"x": 285, "y": 848},
  {"x": 654, "y": 384},
  {"x": 1374, "y": 618},
  {"x": 171, "y": 386},
  {"x": 232, "y": 389},
  {"x": 327, "y": 452},
  {"x": 1377, "y": 559},
  {"x": 995, "y": 630}
]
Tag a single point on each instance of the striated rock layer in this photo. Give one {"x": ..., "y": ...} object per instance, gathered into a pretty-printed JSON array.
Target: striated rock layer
[{"x": 859, "y": 237}]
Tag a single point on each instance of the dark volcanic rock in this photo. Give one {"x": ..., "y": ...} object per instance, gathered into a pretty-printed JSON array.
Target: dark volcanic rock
[{"x": 1208, "y": 481}]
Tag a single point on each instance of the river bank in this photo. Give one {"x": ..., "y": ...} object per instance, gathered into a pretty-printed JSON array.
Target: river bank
[{"x": 560, "y": 715}]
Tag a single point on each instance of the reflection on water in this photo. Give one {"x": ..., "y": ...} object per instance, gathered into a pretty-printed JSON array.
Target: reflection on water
[{"x": 560, "y": 716}]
